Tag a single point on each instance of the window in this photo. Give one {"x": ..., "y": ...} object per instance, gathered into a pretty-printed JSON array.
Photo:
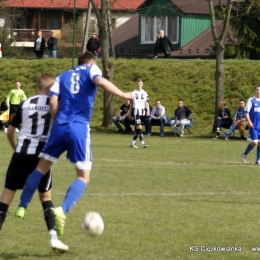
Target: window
[
  {"x": 151, "y": 25},
  {"x": 53, "y": 24}
]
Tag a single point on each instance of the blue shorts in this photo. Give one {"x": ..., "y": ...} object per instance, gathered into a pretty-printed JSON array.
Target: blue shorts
[
  {"x": 73, "y": 138},
  {"x": 253, "y": 135}
]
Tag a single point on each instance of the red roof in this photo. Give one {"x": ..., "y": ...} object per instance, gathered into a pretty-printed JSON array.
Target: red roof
[{"x": 80, "y": 4}]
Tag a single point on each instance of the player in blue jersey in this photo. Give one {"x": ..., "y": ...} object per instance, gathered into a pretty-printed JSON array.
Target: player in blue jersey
[
  {"x": 71, "y": 103},
  {"x": 252, "y": 114}
]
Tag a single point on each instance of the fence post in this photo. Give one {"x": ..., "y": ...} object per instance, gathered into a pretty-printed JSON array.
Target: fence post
[{"x": 0, "y": 50}]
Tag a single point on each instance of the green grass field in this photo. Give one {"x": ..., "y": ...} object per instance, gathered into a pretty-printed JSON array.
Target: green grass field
[{"x": 155, "y": 202}]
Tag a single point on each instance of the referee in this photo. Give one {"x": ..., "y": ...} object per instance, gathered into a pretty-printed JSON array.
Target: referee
[{"x": 14, "y": 98}]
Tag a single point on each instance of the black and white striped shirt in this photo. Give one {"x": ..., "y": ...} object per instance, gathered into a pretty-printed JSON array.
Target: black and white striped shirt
[
  {"x": 34, "y": 115},
  {"x": 139, "y": 102}
]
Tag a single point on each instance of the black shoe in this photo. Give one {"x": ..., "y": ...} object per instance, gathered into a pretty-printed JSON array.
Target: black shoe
[
  {"x": 243, "y": 138},
  {"x": 120, "y": 130}
]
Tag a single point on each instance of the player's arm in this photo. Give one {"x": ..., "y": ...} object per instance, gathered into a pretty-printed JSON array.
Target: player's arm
[
  {"x": 111, "y": 88},
  {"x": 147, "y": 109},
  {"x": 54, "y": 105}
]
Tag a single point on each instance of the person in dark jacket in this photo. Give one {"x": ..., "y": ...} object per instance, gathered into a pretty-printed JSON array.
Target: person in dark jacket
[
  {"x": 93, "y": 45},
  {"x": 183, "y": 116},
  {"x": 39, "y": 45},
  {"x": 163, "y": 44},
  {"x": 224, "y": 118},
  {"x": 52, "y": 46}
]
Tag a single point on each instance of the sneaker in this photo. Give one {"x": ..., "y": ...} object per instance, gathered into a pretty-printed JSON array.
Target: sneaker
[
  {"x": 257, "y": 162},
  {"x": 215, "y": 138},
  {"x": 162, "y": 134},
  {"x": 120, "y": 130},
  {"x": 243, "y": 158},
  {"x": 144, "y": 145},
  {"x": 180, "y": 135},
  {"x": 17, "y": 130},
  {"x": 60, "y": 219},
  {"x": 5, "y": 129},
  {"x": 149, "y": 134},
  {"x": 20, "y": 212},
  {"x": 155, "y": 57},
  {"x": 133, "y": 145},
  {"x": 225, "y": 136},
  {"x": 57, "y": 245}
]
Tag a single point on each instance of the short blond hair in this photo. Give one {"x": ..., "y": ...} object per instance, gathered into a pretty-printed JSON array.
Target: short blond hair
[{"x": 45, "y": 80}]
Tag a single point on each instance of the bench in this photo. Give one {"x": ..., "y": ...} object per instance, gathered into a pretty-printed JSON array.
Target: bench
[{"x": 187, "y": 126}]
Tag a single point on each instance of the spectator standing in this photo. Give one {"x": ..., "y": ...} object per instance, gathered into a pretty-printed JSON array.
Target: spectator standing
[
  {"x": 163, "y": 44},
  {"x": 139, "y": 108},
  {"x": 122, "y": 118},
  {"x": 157, "y": 116},
  {"x": 14, "y": 99},
  {"x": 39, "y": 45},
  {"x": 182, "y": 117},
  {"x": 52, "y": 45},
  {"x": 224, "y": 118},
  {"x": 239, "y": 122},
  {"x": 93, "y": 45},
  {"x": 252, "y": 114}
]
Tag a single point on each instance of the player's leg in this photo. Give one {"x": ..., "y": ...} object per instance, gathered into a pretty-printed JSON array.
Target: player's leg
[
  {"x": 47, "y": 204},
  {"x": 55, "y": 146},
  {"x": 253, "y": 139},
  {"x": 137, "y": 123},
  {"x": 139, "y": 131},
  {"x": 80, "y": 154},
  {"x": 33, "y": 182},
  {"x": 7, "y": 197}
]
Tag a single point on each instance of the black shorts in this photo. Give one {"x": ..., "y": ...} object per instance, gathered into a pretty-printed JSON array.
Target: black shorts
[
  {"x": 139, "y": 120},
  {"x": 20, "y": 167},
  {"x": 13, "y": 108}
]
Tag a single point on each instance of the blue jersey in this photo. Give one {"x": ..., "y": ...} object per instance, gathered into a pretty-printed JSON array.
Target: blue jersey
[
  {"x": 253, "y": 109},
  {"x": 76, "y": 91}
]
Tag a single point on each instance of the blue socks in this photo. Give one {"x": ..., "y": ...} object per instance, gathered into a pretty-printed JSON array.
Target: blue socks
[
  {"x": 74, "y": 193},
  {"x": 30, "y": 187},
  {"x": 248, "y": 149},
  {"x": 258, "y": 153}
]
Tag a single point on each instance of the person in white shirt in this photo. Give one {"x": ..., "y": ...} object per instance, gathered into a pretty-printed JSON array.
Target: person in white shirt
[
  {"x": 139, "y": 108},
  {"x": 158, "y": 116}
]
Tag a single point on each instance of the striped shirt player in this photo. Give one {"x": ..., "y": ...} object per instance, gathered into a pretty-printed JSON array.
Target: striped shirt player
[
  {"x": 72, "y": 100},
  {"x": 252, "y": 114},
  {"x": 34, "y": 115},
  {"x": 139, "y": 108}
]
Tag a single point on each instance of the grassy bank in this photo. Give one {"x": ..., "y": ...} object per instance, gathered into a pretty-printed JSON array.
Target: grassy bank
[{"x": 192, "y": 80}]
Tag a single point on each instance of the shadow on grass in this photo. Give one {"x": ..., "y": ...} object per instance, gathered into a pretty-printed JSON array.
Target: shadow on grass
[{"x": 51, "y": 255}]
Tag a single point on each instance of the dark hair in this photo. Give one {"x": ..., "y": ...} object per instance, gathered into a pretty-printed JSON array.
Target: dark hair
[
  {"x": 85, "y": 58},
  {"x": 180, "y": 99},
  {"x": 138, "y": 79},
  {"x": 241, "y": 100}
]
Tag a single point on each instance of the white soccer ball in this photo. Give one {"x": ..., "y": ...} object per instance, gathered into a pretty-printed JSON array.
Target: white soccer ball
[{"x": 93, "y": 224}]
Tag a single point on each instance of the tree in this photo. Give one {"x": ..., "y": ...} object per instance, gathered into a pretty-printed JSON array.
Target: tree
[
  {"x": 102, "y": 16},
  {"x": 220, "y": 12},
  {"x": 245, "y": 25}
]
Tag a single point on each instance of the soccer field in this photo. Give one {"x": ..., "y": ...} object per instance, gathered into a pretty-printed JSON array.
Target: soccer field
[{"x": 180, "y": 198}]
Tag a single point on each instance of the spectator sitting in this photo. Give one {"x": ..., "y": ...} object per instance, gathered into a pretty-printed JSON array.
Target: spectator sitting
[
  {"x": 224, "y": 118},
  {"x": 122, "y": 118},
  {"x": 239, "y": 121},
  {"x": 157, "y": 116},
  {"x": 182, "y": 117}
]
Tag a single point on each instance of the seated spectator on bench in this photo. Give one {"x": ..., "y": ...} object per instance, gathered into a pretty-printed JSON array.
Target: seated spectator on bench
[
  {"x": 224, "y": 118},
  {"x": 239, "y": 121},
  {"x": 122, "y": 118},
  {"x": 157, "y": 116},
  {"x": 182, "y": 117}
]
